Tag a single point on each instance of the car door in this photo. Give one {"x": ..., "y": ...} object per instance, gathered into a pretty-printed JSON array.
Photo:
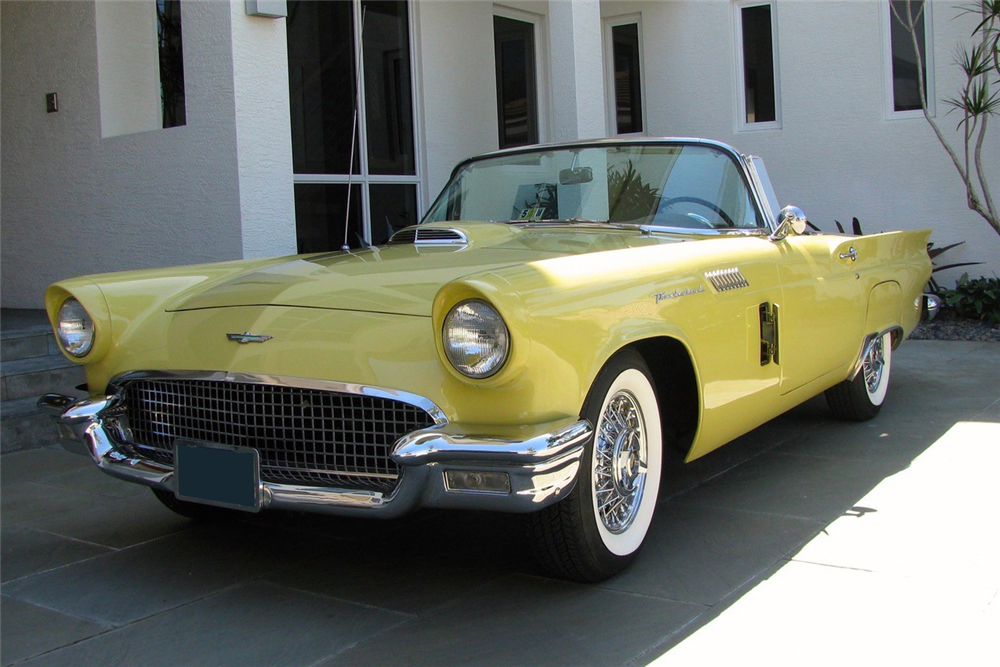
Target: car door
[{"x": 824, "y": 304}]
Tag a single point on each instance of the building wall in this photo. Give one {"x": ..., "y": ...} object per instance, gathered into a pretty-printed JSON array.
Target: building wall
[
  {"x": 836, "y": 156},
  {"x": 263, "y": 134},
  {"x": 456, "y": 91},
  {"x": 75, "y": 203}
]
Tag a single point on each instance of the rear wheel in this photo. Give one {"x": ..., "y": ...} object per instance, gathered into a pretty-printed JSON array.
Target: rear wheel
[
  {"x": 861, "y": 399},
  {"x": 597, "y": 530}
]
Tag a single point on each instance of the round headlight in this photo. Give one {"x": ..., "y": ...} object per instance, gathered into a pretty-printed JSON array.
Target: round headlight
[
  {"x": 475, "y": 339},
  {"x": 76, "y": 329}
]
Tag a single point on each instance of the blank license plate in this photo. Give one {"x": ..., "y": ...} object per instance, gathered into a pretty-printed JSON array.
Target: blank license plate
[{"x": 218, "y": 475}]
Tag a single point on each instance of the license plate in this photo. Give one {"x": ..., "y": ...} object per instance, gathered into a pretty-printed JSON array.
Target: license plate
[{"x": 218, "y": 475}]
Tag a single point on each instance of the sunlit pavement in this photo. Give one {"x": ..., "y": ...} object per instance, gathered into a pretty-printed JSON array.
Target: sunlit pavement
[{"x": 806, "y": 542}]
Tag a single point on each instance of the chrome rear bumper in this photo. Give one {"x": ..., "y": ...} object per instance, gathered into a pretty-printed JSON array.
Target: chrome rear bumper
[{"x": 541, "y": 463}]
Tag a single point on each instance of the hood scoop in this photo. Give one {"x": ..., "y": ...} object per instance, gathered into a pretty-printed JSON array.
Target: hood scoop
[{"x": 428, "y": 236}]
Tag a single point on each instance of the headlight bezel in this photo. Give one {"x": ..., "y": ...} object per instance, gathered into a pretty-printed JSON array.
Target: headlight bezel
[
  {"x": 452, "y": 355},
  {"x": 88, "y": 326}
]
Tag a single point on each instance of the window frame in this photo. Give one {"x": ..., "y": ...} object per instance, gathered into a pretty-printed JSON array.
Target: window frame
[
  {"x": 364, "y": 178},
  {"x": 889, "y": 101},
  {"x": 741, "y": 87},
  {"x": 541, "y": 60},
  {"x": 610, "y": 102}
]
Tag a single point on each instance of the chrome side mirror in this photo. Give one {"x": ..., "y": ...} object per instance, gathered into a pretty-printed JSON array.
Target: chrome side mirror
[{"x": 791, "y": 220}]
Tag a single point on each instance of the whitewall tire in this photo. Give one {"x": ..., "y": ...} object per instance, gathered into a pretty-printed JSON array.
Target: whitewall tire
[{"x": 598, "y": 529}]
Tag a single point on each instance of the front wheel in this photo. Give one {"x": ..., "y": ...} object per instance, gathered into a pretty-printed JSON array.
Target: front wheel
[
  {"x": 861, "y": 399},
  {"x": 597, "y": 530}
]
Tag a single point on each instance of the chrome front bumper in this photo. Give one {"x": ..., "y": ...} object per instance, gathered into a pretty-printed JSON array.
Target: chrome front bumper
[{"x": 541, "y": 463}]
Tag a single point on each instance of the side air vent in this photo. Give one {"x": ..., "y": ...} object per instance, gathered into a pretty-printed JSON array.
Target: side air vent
[
  {"x": 428, "y": 236},
  {"x": 725, "y": 280}
]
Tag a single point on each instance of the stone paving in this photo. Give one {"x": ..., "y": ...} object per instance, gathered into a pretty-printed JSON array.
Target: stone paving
[{"x": 747, "y": 543}]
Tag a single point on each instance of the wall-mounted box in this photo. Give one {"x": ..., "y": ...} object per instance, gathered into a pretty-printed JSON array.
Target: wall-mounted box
[{"x": 271, "y": 9}]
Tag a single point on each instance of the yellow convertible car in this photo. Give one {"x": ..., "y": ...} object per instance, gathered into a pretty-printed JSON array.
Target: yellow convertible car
[{"x": 562, "y": 317}]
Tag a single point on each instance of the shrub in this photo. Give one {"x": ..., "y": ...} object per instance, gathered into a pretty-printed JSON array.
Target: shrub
[{"x": 976, "y": 299}]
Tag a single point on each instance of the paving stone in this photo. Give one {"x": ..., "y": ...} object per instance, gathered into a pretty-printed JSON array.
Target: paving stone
[
  {"x": 797, "y": 486},
  {"x": 256, "y": 624},
  {"x": 117, "y": 523},
  {"x": 701, "y": 554},
  {"x": 418, "y": 568},
  {"x": 28, "y": 630},
  {"x": 27, "y": 550},
  {"x": 521, "y": 620},
  {"x": 39, "y": 464},
  {"x": 124, "y": 586},
  {"x": 20, "y": 503},
  {"x": 92, "y": 480},
  {"x": 26, "y": 432}
]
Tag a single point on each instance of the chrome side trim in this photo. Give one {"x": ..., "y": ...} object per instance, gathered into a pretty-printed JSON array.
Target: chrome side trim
[
  {"x": 424, "y": 404},
  {"x": 436, "y": 446},
  {"x": 726, "y": 280}
]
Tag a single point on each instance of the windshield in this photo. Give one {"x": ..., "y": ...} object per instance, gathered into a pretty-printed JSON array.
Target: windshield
[{"x": 685, "y": 186}]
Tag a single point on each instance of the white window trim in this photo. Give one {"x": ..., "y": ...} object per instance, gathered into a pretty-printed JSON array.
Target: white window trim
[
  {"x": 610, "y": 103},
  {"x": 741, "y": 104},
  {"x": 889, "y": 105},
  {"x": 543, "y": 111},
  {"x": 364, "y": 178}
]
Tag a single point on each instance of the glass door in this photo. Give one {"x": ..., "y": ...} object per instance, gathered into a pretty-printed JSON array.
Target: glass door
[{"x": 327, "y": 109}]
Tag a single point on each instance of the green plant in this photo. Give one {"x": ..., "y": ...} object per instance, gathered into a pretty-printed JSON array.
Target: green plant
[
  {"x": 630, "y": 199},
  {"x": 975, "y": 299}
]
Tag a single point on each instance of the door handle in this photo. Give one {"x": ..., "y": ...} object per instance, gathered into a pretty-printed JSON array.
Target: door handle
[{"x": 851, "y": 252}]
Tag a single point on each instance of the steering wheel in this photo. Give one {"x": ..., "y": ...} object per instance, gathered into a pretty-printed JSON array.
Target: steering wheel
[{"x": 701, "y": 202}]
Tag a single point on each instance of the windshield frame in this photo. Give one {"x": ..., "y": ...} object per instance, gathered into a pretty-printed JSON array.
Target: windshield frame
[{"x": 741, "y": 161}]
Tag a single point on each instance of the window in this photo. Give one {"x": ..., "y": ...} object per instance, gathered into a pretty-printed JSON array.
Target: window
[
  {"x": 323, "y": 76},
  {"x": 902, "y": 70},
  {"x": 140, "y": 66},
  {"x": 757, "y": 48},
  {"x": 517, "y": 96},
  {"x": 171, "y": 53},
  {"x": 623, "y": 74}
]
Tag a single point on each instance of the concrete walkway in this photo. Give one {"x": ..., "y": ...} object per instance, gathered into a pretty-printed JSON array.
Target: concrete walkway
[{"x": 806, "y": 542}]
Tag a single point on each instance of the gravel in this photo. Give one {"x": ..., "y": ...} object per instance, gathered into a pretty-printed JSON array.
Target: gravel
[{"x": 947, "y": 326}]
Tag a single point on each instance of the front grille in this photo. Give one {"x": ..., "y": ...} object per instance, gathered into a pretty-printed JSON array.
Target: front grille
[{"x": 304, "y": 436}]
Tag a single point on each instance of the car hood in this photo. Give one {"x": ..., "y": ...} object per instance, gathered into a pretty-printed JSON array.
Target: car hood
[{"x": 400, "y": 279}]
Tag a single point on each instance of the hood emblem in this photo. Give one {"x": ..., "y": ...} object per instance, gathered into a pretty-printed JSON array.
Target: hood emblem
[{"x": 247, "y": 337}]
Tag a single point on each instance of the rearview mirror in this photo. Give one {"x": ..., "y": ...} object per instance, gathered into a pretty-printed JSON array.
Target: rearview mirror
[{"x": 576, "y": 175}]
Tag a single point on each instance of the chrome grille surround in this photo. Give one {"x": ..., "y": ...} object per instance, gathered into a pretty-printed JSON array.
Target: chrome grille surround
[{"x": 308, "y": 432}]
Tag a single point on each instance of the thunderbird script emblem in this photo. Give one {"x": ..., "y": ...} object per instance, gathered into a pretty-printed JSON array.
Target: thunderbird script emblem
[{"x": 247, "y": 337}]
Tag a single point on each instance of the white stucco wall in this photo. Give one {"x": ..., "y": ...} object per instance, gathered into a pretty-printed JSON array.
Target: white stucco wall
[
  {"x": 263, "y": 135},
  {"x": 217, "y": 188},
  {"x": 456, "y": 88},
  {"x": 836, "y": 156}
]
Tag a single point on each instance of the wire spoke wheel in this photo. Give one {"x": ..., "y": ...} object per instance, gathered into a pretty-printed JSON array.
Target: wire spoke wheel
[
  {"x": 620, "y": 458},
  {"x": 873, "y": 365}
]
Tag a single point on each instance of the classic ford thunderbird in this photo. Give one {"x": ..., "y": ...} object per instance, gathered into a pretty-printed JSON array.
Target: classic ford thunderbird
[{"x": 563, "y": 319}]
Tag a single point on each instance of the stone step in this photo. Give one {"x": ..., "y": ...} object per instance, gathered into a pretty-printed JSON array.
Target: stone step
[
  {"x": 35, "y": 376},
  {"x": 24, "y": 426},
  {"x": 18, "y": 345}
]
